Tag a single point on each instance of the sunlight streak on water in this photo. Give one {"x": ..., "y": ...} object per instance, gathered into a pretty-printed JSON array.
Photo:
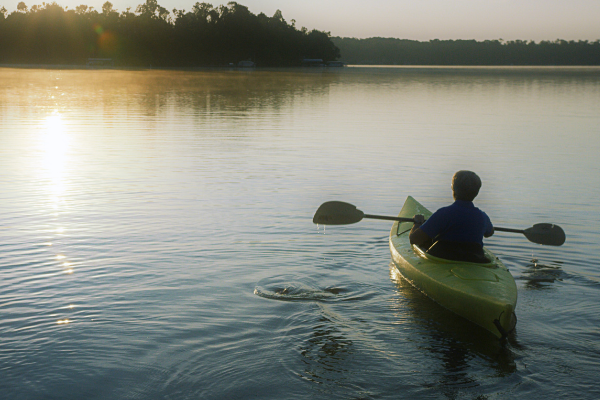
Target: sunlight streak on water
[{"x": 55, "y": 144}]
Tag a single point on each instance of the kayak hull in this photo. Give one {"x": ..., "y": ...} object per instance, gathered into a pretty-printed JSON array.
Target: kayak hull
[{"x": 485, "y": 294}]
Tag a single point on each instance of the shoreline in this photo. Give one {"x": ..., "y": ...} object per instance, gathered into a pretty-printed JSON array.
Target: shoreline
[{"x": 482, "y": 68}]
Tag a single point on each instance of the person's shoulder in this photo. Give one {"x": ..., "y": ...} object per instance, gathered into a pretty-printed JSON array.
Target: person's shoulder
[
  {"x": 444, "y": 210},
  {"x": 480, "y": 210},
  {"x": 448, "y": 207},
  {"x": 484, "y": 214}
]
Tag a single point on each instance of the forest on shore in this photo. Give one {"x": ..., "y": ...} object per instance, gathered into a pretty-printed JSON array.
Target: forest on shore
[
  {"x": 155, "y": 36},
  {"x": 389, "y": 51},
  {"x": 208, "y": 36}
]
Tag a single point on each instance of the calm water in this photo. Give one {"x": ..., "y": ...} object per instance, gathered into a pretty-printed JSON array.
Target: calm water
[{"x": 156, "y": 236}]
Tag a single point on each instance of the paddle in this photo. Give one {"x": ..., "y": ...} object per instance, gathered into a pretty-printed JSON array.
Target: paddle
[{"x": 341, "y": 213}]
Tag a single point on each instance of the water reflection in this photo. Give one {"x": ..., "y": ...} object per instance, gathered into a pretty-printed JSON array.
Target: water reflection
[
  {"x": 201, "y": 95},
  {"x": 454, "y": 341},
  {"x": 54, "y": 145},
  {"x": 326, "y": 353}
]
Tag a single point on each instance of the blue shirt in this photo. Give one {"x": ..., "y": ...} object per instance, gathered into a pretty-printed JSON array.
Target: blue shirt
[{"x": 459, "y": 222}]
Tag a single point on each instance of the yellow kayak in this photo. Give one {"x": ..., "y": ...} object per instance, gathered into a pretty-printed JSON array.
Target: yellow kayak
[{"x": 483, "y": 293}]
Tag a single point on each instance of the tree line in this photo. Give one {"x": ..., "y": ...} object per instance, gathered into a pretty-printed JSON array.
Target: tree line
[
  {"x": 388, "y": 51},
  {"x": 152, "y": 35}
]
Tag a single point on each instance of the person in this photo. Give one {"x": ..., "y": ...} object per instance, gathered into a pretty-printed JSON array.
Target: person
[{"x": 455, "y": 232}]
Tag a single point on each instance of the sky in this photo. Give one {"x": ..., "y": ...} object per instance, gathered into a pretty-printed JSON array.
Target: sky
[{"x": 416, "y": 19}]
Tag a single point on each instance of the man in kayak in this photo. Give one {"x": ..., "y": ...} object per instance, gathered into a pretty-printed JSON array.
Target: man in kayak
[{"x": 455, "y": 232}]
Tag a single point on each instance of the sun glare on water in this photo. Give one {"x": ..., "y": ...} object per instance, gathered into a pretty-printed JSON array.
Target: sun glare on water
[{"x": 55, "y": 144}]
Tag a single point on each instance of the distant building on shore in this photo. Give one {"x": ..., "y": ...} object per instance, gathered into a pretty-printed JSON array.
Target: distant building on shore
[
  {"x": 100, "y": 63},
  {"x": 312, "y": 62},
  {"x": 246, "y": 64}
]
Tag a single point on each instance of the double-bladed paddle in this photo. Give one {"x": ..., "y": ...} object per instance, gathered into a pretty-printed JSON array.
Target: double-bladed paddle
[{"x": 341, "y": 213}]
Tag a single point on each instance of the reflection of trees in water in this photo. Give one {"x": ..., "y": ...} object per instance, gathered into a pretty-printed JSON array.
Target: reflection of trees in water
[
  {"x": 201, "y": 95},
  {"x": 457, "y": 343},
  {"x": 237, "y": 93}
]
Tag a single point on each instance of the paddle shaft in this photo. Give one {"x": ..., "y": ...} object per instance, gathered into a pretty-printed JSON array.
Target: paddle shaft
[
  {"x": 496, "y": 228},
  {"x": 399, "y": 219}
]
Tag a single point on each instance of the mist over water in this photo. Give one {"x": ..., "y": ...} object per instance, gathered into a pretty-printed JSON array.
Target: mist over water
[{"x": 156, "y": 236}]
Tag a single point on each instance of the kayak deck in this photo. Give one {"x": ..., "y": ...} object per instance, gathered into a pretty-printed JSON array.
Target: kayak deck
[{"x": 483, "y": 293}]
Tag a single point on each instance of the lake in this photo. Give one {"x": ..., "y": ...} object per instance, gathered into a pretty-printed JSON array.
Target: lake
[{"x": 156, "y": 235}]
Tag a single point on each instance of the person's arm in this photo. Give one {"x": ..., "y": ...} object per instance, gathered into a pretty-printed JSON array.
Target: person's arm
[{"x": 417, "y": 236}]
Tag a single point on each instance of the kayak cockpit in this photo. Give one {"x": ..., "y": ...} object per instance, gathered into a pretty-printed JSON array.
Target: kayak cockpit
[{"x": 422, "y": 253}]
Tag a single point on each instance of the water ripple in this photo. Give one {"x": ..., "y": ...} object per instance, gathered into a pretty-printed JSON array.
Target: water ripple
[{"x": 288, "y": 288}]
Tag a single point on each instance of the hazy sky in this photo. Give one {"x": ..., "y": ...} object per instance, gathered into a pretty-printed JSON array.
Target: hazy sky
[{"x": 416, "y": 19}]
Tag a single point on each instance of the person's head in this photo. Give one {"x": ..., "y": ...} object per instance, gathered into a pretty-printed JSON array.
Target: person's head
[{"x": 465, "y": 185}]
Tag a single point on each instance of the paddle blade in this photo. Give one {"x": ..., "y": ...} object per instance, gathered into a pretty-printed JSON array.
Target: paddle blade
[
  {"x": 337, "y": 213},
  {"x": 548, "y": 234}
]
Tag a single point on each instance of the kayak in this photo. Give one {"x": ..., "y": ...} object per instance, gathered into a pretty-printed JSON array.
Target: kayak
[{"x": 483, "y": 293}]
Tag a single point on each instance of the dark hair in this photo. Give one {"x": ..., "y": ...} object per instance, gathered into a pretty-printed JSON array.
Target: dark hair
[{"x": 465, "y": 185}]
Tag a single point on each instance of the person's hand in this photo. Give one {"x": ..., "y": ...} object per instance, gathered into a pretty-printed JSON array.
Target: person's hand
[{"x": 419, "y": 219}]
